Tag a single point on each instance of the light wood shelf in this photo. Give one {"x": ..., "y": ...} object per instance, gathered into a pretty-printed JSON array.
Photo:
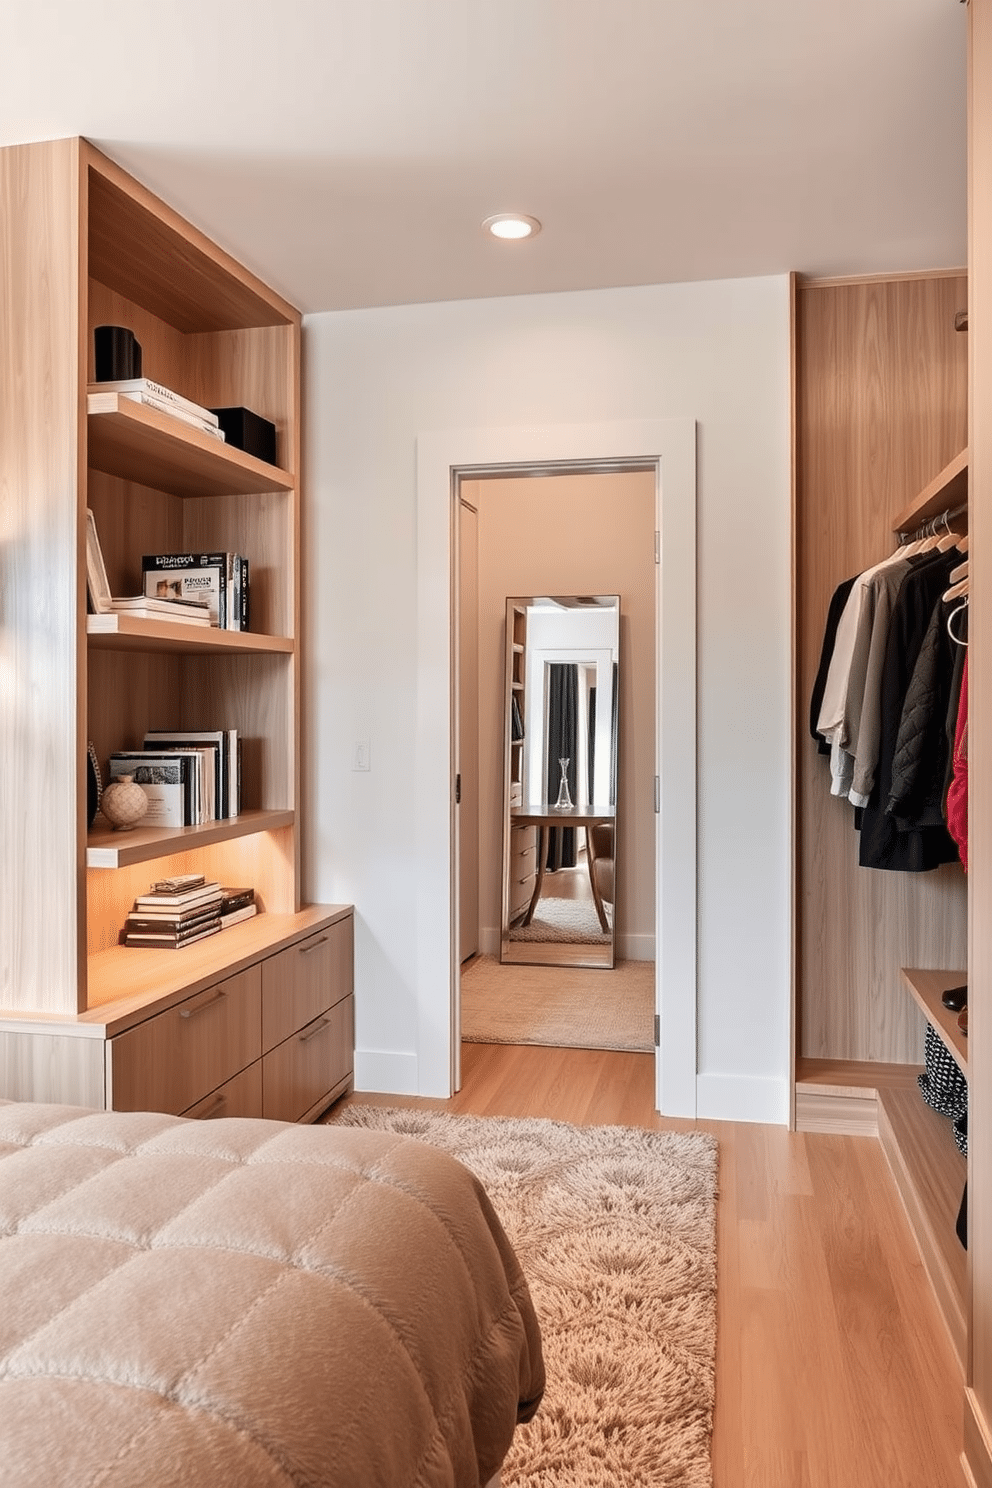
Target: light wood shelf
[
  {"x": 138, "y": 443},
  {"x": 926, "y": 987},
  {"x": 120, "y": 631},
  {"x": 106, "y": 848},
  {"x": 946, "y": 491}
]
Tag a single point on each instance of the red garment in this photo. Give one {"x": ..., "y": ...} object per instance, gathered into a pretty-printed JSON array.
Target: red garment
[{"x": 957, "y": 793}]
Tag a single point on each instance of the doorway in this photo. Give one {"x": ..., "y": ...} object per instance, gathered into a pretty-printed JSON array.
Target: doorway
[
  {"x": 444, "y": 459},
  {"x": 557, "y": 533}
]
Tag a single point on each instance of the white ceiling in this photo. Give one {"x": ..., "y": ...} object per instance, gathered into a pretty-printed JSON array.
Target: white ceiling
[{"x": 347, "y": 150}]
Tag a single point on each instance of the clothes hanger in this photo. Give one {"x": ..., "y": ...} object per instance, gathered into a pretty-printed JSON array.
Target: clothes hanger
[
  {"x": 950, "y": 625},
  {"x": 955, "y": 591}
]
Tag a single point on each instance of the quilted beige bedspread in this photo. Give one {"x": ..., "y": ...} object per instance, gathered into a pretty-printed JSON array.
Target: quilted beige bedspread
[{"x": 249, "y": 1303}]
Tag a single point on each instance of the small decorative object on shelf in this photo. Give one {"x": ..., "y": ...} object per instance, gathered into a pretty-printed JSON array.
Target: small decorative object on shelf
[
  {"x": 564, "y": 801},
  {"x": 116, "y": 353},
  {"x": 123, "y": 803},
  {"x": 248, "y": 431}
]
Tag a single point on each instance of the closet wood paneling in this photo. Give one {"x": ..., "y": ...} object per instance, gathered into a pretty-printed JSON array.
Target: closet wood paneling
[
  {"x": 978, "y": 1416},
  {"x": 882, "y": 398}
]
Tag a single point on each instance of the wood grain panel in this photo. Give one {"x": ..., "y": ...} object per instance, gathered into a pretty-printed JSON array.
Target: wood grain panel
[
  {"x": 172, "y": 1061},
  {"x": 41, "y": 740},
  {"x": 302, "y": 1072},
  {"x": 929, "y": 1173},
  {"x": 239, "y": 1096},
  {"x": 299, "y": 983},
  {"x": 142, "y": 249},
  {"x": 980, "y": 746},
  {"x": 52, "y": 1067},
  {"x": 881, "y": 409}
]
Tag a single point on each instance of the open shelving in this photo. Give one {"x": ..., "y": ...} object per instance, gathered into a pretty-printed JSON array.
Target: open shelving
[{"x": 86, "y": 245}]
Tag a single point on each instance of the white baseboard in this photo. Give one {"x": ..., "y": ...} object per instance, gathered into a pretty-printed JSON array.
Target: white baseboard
[
  {"x": 386, "y": 1072},
  {"x": 635, "y": 947},
  {"x": 743, "y": 1098}
]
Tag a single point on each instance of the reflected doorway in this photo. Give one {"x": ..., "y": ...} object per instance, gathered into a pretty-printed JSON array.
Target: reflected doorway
[{"x": 588, "y": 532}]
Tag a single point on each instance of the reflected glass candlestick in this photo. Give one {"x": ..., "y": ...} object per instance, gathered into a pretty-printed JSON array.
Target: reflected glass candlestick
[{"x": 564, "y": 801}]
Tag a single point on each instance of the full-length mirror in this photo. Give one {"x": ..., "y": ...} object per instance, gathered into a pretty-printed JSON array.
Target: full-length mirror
[{"x": 560, "y": 780}]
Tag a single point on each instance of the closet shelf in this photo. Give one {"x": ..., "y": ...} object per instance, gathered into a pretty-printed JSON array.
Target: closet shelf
[
  {"x": 946, "y": 491},
  {"x": 926, "y": 987}
]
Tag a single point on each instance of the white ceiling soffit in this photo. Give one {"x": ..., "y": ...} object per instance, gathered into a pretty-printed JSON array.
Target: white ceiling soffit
[{"x": 348, "y": 150}]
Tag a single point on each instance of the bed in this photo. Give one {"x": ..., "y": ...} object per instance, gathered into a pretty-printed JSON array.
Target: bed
[{"x": 252, "y": 1303}]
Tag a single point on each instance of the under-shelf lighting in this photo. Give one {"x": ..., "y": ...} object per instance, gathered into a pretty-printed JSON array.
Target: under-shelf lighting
[{"x": 512, "y": 226}]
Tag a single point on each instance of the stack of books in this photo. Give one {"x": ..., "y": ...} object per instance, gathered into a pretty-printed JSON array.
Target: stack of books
[
  {"x": 174, "y": 913},
  {"x": 102, "y": 396},
  {"x": 219, "y": 580},
  {"x": 236, "y": 905},
  {"x": 190, "y": 776}
]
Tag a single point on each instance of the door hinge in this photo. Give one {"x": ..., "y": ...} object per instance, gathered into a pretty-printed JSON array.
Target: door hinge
[
  {"x": 458, "y": 789},
  {"x": 657, "y": 794},
  {"x": 657, "y": 547},
  {"x": 657, "y": 1030}
]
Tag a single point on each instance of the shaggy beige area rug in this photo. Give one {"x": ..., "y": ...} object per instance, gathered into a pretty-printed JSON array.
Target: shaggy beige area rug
[
  {"x": 616, "y": 1230},
  {"x": 565, "y": 1007},
  {"x": 562, "y": 922}
]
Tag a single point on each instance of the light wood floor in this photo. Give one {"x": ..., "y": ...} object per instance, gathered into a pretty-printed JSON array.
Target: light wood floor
[{"x": 833, "y": 1367}]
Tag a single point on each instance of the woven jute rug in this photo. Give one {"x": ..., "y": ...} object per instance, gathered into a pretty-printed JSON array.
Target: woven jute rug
[
  {"x": 564, "y": 1007},
  {"x": 615, "y": 1228}
]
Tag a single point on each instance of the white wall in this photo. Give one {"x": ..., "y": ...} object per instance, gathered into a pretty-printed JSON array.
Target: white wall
[{"x": 717, "y": 352}]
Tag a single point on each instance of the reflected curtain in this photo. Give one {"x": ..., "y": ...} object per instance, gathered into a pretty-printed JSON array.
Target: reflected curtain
[
  {"x": 614, "y": 738},
  {"x": 563, "y": 723}
]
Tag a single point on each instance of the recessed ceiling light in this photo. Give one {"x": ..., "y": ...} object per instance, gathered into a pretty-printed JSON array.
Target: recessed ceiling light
[{"x": 512, "y": 225}]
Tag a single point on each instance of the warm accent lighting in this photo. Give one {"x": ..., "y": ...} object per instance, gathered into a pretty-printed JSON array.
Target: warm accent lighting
[{"x": 512, "y": 225}]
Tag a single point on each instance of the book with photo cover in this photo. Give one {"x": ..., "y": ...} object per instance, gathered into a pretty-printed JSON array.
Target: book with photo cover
[
  {"x": 200, "y": 576},
  {"x": 218, "y": 742},
  {"x": 165, "y": 781}
]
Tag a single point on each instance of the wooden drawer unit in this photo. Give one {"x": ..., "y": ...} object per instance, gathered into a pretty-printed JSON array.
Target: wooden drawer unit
[
  {"x": 240, "y": 1096},
  {"x": 303, "y": 1074},
  {"x": 171, "y": 1061},
  {"x": 522, "y": 868},
  {"x": 306, "y": 979}
]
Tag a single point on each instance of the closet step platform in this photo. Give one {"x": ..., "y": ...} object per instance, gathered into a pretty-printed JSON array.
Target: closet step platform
[{"x": 858, "y": 1098}]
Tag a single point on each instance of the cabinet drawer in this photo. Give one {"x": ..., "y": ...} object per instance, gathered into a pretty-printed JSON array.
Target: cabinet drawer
[
  {"x": 521, "y": 891},
  {"x": 173, "y": 1060},
  {"x": 523, "y": 848},
  {"x": 305, "y": 979},
  {"x": 305, "y": 1068},
  {"x": 241, "y": 1096}
]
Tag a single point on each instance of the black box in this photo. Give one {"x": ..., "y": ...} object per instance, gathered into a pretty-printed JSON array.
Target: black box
[
  {"x": 249, "y": 432},
  {"x": 116, "y": 354}
]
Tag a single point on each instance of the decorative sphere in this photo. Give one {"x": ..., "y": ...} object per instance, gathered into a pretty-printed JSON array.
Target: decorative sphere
[{"x": 123, "y": 803}]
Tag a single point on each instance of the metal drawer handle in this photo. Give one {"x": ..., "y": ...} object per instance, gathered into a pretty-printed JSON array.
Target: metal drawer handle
[
  {"x": 305, "y": 950},
  {"x": 218, "y": 996},
  {"x": 306, "y": 1037},
  {"x": 218, "y": 1105}
]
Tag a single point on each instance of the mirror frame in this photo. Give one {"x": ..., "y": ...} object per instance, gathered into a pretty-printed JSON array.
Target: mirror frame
[{"x": 523, "y": 876}]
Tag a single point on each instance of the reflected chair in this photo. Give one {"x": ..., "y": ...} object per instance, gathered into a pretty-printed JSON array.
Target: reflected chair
[{"x": 599, "y": 853}]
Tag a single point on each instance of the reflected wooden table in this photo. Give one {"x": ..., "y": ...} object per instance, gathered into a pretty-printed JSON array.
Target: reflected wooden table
[{"x": 545, "y": 816}]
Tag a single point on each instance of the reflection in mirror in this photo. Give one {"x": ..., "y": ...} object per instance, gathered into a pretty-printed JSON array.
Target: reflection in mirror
[{"x": 560, "y": 791}]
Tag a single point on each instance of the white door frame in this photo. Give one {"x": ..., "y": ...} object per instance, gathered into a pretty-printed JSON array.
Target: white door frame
[{"x": 443, "y": 457}]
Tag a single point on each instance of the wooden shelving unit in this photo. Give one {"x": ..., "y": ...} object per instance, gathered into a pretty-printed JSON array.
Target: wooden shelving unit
[{"x": 82, "y": 244}]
